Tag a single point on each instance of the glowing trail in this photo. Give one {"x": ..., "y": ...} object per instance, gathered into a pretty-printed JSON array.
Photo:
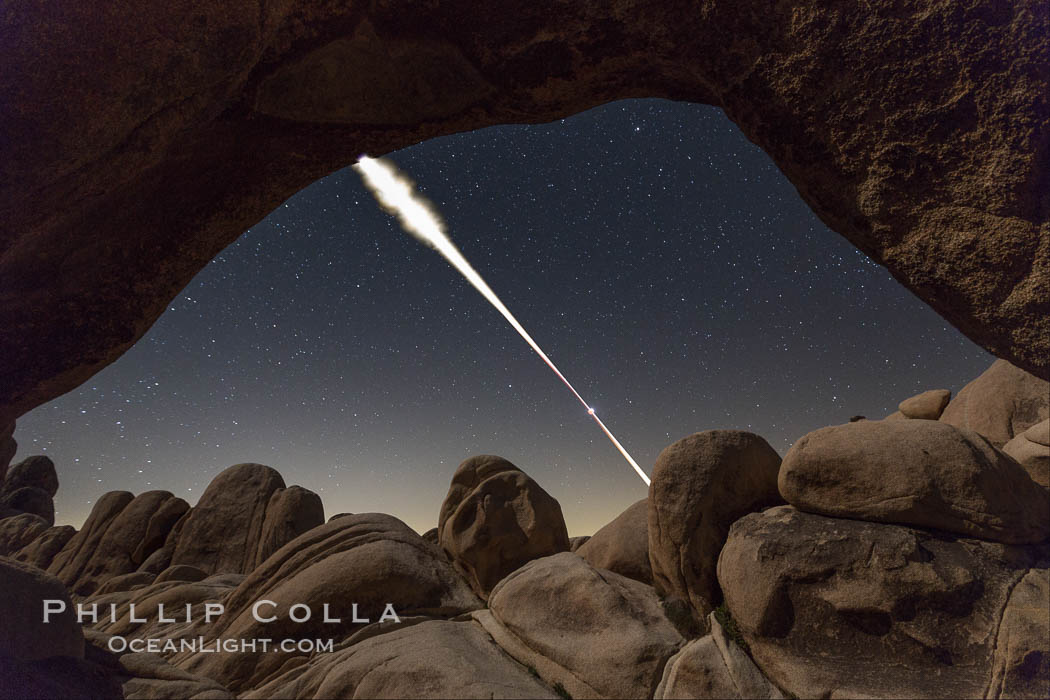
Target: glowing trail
[{"x": 397, "y": 195}]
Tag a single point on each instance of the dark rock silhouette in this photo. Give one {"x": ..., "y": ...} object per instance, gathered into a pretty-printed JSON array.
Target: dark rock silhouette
[
  {"x": 37, "y": 472},
  {"x": 910, "y": 147},
  {"x": 41, "y": 551},
  {"x": 18, "y": 531}
]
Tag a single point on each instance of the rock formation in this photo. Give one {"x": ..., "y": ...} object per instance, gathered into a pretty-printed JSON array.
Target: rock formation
[
  {"x": 604, "y": 631},
  {"x": 713, "y": 666},
  {"x": 916, "y": 472},
  {"x": 112, "y": 537},
  {"x": 244, "y": 515},
  {"x": 26, "y": 637},
  {"x": 368, "y": 559},
  {"x": 41, "y": 551},
  {"x": 827, "y": 605},
  {"x": 1001, "y": 403},
  {"x": 18, "y": 531},
  {"x": 1031, "y": 449},
  {"x": 622, "y": 546},
  {"x": 913, "y": 131},
  {"x": 435, "y": 658},
  {"x": 929, "y": 405},
  {"x": 30, "y": 487},
  {"x": 700, "y": 485},
  {"x": 496, "y": 518}
]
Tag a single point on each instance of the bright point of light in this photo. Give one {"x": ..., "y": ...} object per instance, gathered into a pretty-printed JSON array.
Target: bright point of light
[{"x": 396, "y": 193}]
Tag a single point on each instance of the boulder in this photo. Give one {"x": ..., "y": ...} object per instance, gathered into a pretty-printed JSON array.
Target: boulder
[
  {"x": 431, "y": 535},
  {"x": 81, "y": 547},
  {"x": 713, "y": 666},
  {"x": 433, "y": 659},
  {"x": 700, "y": 485},
  {"x": 1021, "y": 664},
  {"x": 578, "y": 541},
  {"x": 1039, "y": 433},
  {"x": 41, "y": 551},
  {"x": 623, "y": 545},
  {"x": 494, "y": 519},
  {"x": 37, "y": 471},
  {"x": 232, "y": 529},
  {"x": 1031, "y": 450},
  {"x": 929, "y": 405},
  {"x": 24, "y": 635},
  {"x": 847, "y": 608},
  {"x": 160, "y": 559},
  {"x": 916, "y": 472},
  {"x": 1001, "y": 403},
  {"x": 289, "y": 513},
  {"x": 112, "y": 553},
  {"x": 602, "y": 629},
  {"x": 29, "y": 499},
  {"x": 159, "y": 526},
  {"x": 368, "y": 559},
  {"x": 19, "y": 531}
]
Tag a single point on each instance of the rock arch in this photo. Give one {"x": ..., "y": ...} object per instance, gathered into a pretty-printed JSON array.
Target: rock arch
[{"x": 139, "y": 141}]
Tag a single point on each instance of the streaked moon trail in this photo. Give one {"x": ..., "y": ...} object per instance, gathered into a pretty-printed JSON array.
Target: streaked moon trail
[{"x": 396, "y": 194}]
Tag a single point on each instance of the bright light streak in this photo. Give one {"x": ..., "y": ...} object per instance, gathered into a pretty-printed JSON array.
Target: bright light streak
[{"x": 396, "y": 193}]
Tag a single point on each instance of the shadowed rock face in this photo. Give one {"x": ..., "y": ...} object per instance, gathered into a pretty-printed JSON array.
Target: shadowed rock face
[{"x": 915, "y": 131}]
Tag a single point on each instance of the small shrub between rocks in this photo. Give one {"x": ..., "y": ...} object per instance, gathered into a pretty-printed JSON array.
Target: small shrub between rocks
[
  {"x": 561, "y": 691},
  {"x": 729, "y": 625}
]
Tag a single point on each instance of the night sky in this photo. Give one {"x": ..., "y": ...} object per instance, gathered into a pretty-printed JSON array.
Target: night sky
[{"x": 659, "y": 258}]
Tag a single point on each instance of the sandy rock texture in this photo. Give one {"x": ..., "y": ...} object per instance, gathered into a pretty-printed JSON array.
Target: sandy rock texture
[
  {"x": 1031, "y": 449},
  {"x": 1001, "y": 403},
  {"x": 111, "y": 537},
  {"x": 827, "y": 605},
  {"x": 622, "y": 545},
  {"x": 596, "y": 632},
  {"x": 916, "y": 472},
  {"x": 432, "y": 659},
  {"x": 700, "y": 485},
  {"x": 369, "y": 559},
  {"x": 713, "y": 666},
  {"x": 915, "y": 131},
  {"x": 496, "y": 518},
  {"x": 929, "y": 405}
]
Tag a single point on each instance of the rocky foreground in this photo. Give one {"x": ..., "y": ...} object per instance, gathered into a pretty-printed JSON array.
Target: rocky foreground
[{"x": 903, "y": 557}]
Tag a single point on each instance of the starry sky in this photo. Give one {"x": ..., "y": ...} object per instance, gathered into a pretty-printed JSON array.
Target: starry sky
[{"x": 660, "y": 259}]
